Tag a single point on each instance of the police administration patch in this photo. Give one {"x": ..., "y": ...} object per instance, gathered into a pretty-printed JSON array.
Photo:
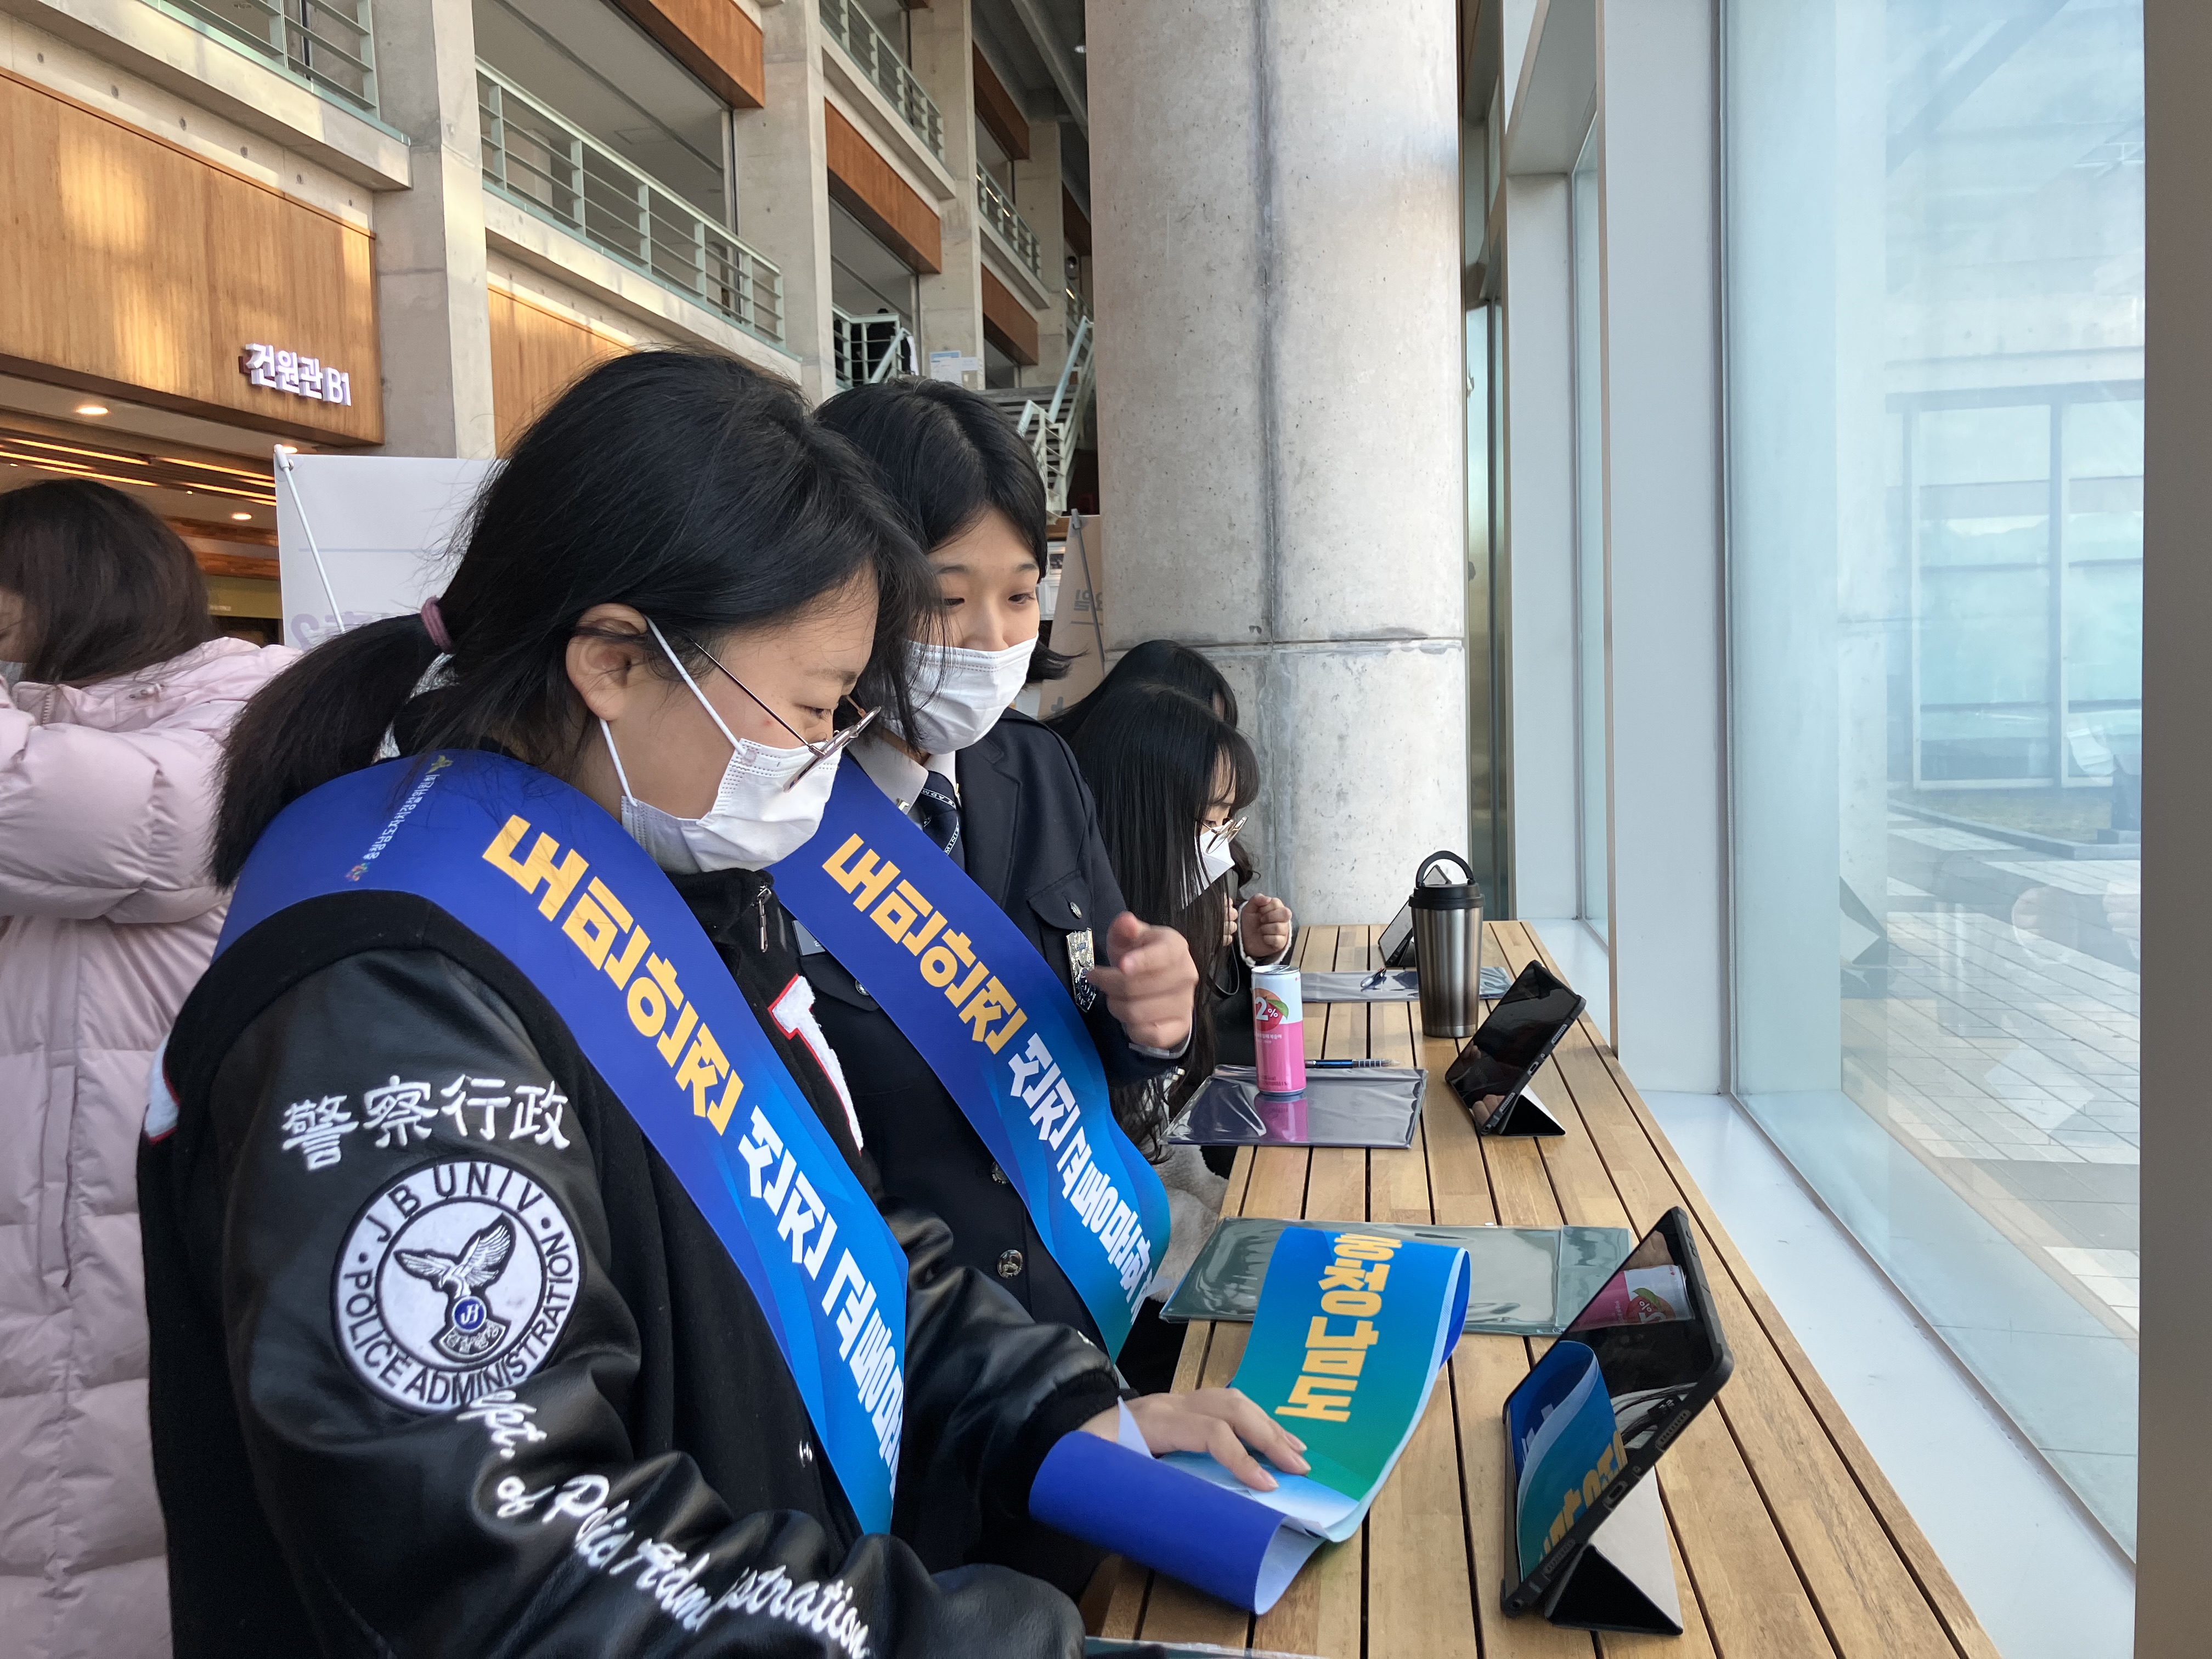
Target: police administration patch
[{"x": 455, "y": 1282}]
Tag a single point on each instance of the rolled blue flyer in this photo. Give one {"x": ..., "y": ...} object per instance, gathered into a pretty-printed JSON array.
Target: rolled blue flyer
[{"x": 1352, "y": 1331}]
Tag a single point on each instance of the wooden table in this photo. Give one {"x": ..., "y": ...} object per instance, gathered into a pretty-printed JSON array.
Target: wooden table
[{"x": 1787, "y": 1539}]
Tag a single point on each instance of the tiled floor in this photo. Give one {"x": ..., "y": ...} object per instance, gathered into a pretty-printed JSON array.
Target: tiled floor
[
  {"x": 1990, "y": 1042},
  {"x": 2114, "y": 1275},
  {"x": 2004, "y": 1044}
]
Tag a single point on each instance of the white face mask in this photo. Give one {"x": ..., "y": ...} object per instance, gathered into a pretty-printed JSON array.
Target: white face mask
[
  {"x": 971, "y": 690},
  {"x": 755, "y": 819},
  {"x": 1215, "y": 860}
]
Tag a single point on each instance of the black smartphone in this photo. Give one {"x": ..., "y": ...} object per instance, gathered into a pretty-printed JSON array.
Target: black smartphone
[
  {"x": 1397, "y": 945},
  {"x": 1537, "y": 1010},
  {"x": 1652, "y": 1345}
]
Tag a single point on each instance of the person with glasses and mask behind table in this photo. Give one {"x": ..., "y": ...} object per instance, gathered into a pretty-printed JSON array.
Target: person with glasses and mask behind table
[
  {"x": 1260, "y": 926},
  {"x": 518, "y": 1276},
  {"x": 1172, "y": 780}
]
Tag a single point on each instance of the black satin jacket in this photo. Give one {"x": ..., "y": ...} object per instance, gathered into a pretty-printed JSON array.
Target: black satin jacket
[{"x": 650, "y": 1481}]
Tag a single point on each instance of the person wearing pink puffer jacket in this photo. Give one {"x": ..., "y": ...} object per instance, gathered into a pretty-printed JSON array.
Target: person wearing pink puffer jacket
[{"x": 114, "y": 707}]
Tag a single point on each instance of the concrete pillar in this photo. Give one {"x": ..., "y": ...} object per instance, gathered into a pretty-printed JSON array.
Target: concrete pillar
[
  {"x": 1037, "y": 194},
  {"x": 1275, "y": 189},
  {"x": 952, "y": 300},
  {"x": 434, "y": 319},
  {"x": 783, "y": 185}
]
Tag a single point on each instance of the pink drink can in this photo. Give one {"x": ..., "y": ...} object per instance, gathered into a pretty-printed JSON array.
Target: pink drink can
[{"x": 1279, "y": 1031}]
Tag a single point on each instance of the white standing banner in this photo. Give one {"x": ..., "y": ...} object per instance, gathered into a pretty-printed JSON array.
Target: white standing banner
[
  {"x": 1079, "y": 621},
  {"x": 362, "y": 536}
]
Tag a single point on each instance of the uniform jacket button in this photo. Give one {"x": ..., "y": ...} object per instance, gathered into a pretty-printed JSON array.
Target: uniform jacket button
[
  {"x": 999, "y": 1175},
  {"x": 1010, "y": 1265},
  {"x": 1076, "y": 907}
]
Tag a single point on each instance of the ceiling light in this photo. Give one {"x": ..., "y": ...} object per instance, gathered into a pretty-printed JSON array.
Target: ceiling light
[
  {"x": 243, "y": 517},
  {"x": 92, "y": 409}
]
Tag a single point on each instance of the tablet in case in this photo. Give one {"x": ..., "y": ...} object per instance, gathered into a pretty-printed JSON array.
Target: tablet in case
[
  {"x": 1585, "y": 1535},
  {"x": 1492, "y": 1073},
  {"x": 1624, "y": 1578}
]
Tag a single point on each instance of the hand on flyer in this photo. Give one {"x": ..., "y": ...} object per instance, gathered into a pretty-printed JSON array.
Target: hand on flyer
[{"x": 1220, "y": 1422}]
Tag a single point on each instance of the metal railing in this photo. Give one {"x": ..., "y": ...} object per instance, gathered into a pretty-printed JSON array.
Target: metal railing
[
  {"x": 879, "y": 60},
  {"x": 999, "y": 213},
  {"x": 1078, "y": 312},
  {"x": 326, "y": 43},
  {"x": 1052, "y": 430},
  {"x": 866, "y": 351},
  {"x": 531, "y": 156}
]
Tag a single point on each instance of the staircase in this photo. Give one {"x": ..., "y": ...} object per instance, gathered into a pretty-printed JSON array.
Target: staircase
[
  {"x": 1052, "y": 428},
  {"x": 869, "y": 349}
]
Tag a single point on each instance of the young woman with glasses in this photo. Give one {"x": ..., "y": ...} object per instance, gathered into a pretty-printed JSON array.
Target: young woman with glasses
[
  {"x": 1172, "y": 780},
  {"x": 519, "y": 1276}
]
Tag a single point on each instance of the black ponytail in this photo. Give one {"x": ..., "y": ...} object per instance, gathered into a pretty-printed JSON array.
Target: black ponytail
[
  {"x": 685, "y": 484},
  {"x": 324, "y": 716}
]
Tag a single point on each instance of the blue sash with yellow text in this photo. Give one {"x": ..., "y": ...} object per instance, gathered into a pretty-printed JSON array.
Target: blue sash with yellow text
[
  {"x": 547, "y": 879},
  {"x": 978, "y": 1002}
]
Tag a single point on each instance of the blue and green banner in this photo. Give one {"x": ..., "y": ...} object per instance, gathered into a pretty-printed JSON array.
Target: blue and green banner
[
  {"x": 1351, "y": 1332},
  {"x": 543, "y": 875},
  {"x": 969, "y": 990}
]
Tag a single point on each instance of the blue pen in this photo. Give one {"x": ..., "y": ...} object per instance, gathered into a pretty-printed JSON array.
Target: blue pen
[{"x": 1311, "y": 1064}]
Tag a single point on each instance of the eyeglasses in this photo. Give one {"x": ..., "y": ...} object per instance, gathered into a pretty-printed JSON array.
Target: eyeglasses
[
  {"x": 1223, "y": 832},
  {"x": 828, "y": 749}
]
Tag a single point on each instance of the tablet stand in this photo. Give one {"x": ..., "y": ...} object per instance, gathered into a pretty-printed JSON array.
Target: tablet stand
[
  {"x": 1624, "y": 1578},
  {"x": 1525, "y": 1117}
]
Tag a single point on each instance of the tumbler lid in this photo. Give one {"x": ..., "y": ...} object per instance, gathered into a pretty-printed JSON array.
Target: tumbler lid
[{"x": 1428, "y": 895}]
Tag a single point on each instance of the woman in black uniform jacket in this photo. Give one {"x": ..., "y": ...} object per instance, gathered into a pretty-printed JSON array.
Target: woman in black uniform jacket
[
  {"x": 649, "y": 1478},
  {"x": 1002, "y": 795},
  {"x": 1023, "y": 825}
]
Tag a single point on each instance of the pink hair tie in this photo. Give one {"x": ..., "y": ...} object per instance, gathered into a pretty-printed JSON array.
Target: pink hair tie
[{"x": 434, "y": 624}]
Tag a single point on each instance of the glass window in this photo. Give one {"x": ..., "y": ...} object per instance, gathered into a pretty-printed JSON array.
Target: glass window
[
  {"x": 991, "y": 156},
  {"x": 866, "y": 279},
  {"x": 1590, "y": 716},
  {"x": 1935, "y": 346}
]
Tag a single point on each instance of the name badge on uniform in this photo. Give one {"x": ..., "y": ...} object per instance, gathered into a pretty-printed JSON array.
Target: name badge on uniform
[{"x": 1081, "y": 959}]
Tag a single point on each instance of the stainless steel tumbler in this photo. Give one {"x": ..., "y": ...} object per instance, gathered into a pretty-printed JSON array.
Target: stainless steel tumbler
[{"x": 1448, "y": 947}]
